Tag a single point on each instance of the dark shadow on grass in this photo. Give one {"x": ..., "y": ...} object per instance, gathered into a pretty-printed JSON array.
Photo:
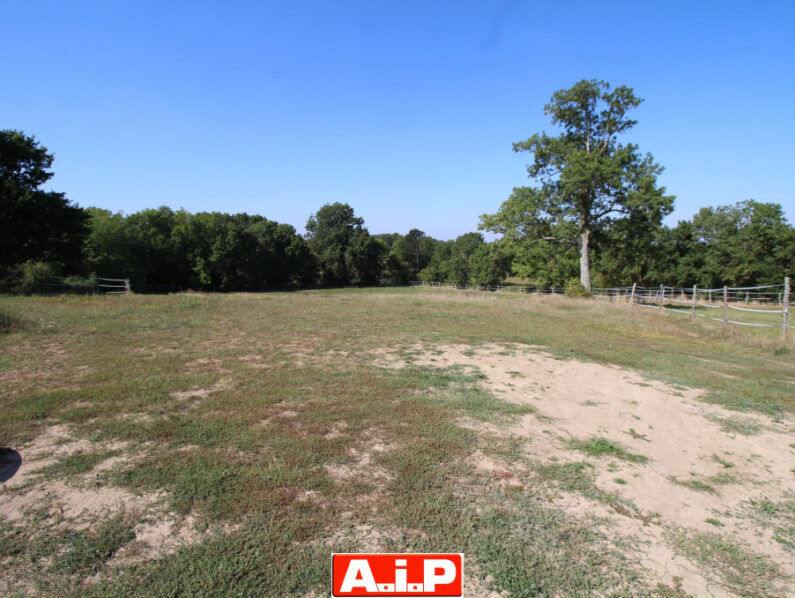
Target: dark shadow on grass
[{"x": 10, "y": 462}]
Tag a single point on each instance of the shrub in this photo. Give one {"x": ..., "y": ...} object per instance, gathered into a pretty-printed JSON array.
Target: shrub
[
  {"x": 575, "y": 289},
  {"x": 10, "y": 322}
]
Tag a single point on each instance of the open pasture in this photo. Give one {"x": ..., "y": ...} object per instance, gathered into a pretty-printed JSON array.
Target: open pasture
[{"x": 198, "y": 444}]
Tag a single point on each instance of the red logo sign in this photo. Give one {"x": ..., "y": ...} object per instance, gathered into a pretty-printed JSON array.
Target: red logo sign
[{"x": 397, "y": 574}]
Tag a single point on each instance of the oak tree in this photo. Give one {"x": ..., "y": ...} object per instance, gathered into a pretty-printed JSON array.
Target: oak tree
[{"x": 587, "y": 179}]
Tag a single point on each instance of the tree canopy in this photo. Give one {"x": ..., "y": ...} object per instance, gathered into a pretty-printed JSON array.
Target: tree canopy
[
  {"x": 588, "y": 181},
  {"x": 593, "y": 194},
  {"x": 346, "y": 252},
  {"x": 35, "y": 224}
]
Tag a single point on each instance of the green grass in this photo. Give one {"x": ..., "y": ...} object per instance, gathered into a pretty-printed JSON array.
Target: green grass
[
  {"x": 76, "y": 464},
  {"x": 705, "y": 485},
  {"x": 726, "y": 464},
  {"x": 459, "y": 390},
  {"x": 737, "y": 569},
  {"x": 279, "y": 374},
  {"x": 601, "y": 447},
  {"x": 85, "y": 552},
  {"x": 694, "y": 484},
  {"x": 740, "y": 425}
]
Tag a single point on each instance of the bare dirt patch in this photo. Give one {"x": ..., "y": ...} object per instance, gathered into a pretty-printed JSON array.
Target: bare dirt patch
[
  {"x": 42, "y": 503},
  {"x": 202, "y": 393},
  {"x": 76, "y": 503},
  {"x": 672, "y": 461},
  {"x": 158, "y": 535}
]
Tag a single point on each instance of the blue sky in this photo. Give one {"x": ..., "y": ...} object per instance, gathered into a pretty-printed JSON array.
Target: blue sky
[{"x": 405, "y": 109}]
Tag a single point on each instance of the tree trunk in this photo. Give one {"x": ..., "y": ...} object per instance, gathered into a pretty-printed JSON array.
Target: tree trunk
[{"x": 585, "y": 260}]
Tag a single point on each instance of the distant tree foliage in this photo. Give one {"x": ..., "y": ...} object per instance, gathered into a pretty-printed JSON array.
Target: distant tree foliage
[
  {"x": 743, "y": 244},
  {"x": 467, "y": 260},
  {"x": 35, "y": 224},
  {"x": 541, "y": 228},
  {"x": 346, "y": 252},
  {"x": 747, "y": 243},
  {"x": 163, "y": 249}
]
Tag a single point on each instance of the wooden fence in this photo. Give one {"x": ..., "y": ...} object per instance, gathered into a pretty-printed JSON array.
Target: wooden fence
[{"x": 766, "y": 306}]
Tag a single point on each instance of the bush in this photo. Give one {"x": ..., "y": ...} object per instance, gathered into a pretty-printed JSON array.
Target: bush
[
  {"x": 575, "y": 289},
  {"x": 10, "y": 322}
]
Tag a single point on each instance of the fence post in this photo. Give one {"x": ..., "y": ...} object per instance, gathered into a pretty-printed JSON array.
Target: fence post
[
  {"x": 632, "y": 294},
  {"x": 693, "y": 305},
  {"x": 785, "y": 310},
  {"x": 127, "y": 285},
  {"x": 725, "y": 306},
  {"x": 662, "y": 297}
]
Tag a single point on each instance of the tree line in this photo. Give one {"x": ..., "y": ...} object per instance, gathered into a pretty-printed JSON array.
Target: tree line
[{"x": 595, "y": 213}]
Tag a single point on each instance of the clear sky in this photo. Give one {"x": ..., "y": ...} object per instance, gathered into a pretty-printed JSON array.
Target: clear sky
[{"x": 405, "y": 109}]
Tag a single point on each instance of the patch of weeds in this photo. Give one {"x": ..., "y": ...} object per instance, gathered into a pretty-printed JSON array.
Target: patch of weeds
[
  {"x": 629, "y": 509},
  {"x": 226, "y": 486},
  {"x": 12, "y": 541},
  {"x": 694, "y": 484},
  {"x": 778, "y": 516},
  {"x": 739, "y": 570},
  {"x": 724, "y": 462},
  {"x": 707, "y": 485},
  {"x": 515, "y": 374},
  {"x": 666, "y": 591},
  {"x": 455, "y": 387},
  {"x": 714, "y": 522},
  {"x": 590, "y": 403},
  {"x": 637, "y": 436},
  {"x": 578, "y": 477},
  {"x": 572, "y": 477},
  {"x": 510, "y": 449},
  {"x": 516, "y": 549},
  {"x": 88, "y": 551},
  {"x": 269, "y": 556},
  {"x": 620, "y": 481},
  {"x": 11, "y": 322},
  {"x": 76, "y": 464},
  {"x": 739, "y": 425},
  {"x": 600, "y": 447},
  {"x": 722, "y": 478},
  {"x": 509, "y": 535}
]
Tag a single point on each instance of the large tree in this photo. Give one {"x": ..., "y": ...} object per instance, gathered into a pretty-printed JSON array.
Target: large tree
[
  {"x": 35, "y": 224},
  {"x": 345, "y": 251},
  {"x": 587, "y": 179}
]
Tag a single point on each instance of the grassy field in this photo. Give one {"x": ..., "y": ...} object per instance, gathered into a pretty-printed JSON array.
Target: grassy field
[{"x": 198, "y": 444}]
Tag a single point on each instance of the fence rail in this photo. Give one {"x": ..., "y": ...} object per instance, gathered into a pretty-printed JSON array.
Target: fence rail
[
  {"x": 772, "y": 303},
  {"x": 113, "y": 286},
  {"x": 20, "y": 283}
]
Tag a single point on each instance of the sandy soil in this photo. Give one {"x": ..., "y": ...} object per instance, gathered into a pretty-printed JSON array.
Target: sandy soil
[
  {"x": 85, "y": 501},
  {"x": 682, "y": 437}
]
